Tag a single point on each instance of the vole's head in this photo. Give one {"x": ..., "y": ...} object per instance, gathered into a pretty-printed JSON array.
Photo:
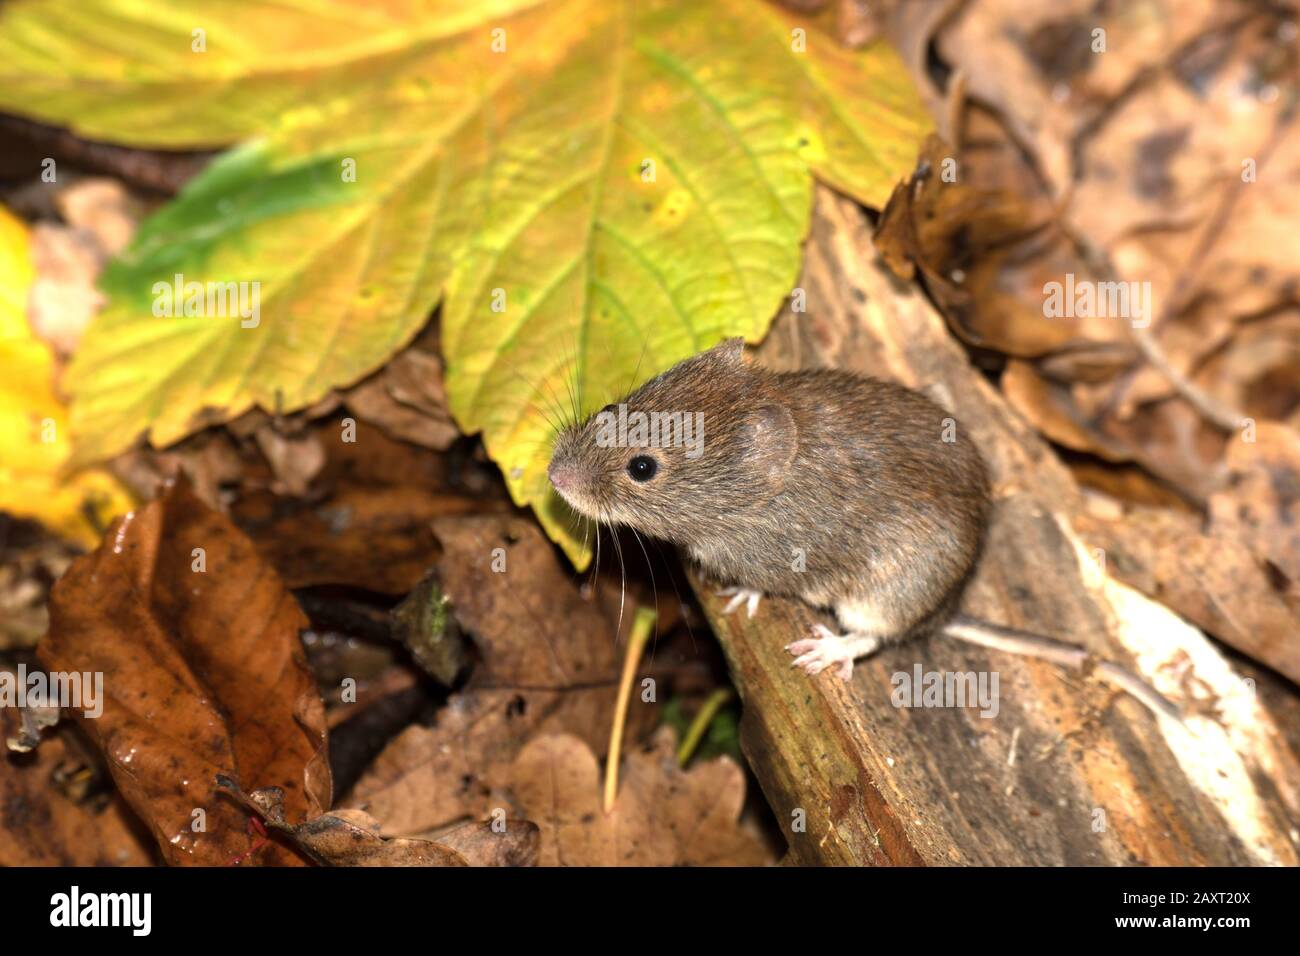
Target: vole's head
[{"x": 700, "y": 441}]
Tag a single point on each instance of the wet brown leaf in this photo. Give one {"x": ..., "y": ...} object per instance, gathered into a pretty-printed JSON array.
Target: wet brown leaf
[{"x": 204, "y": 674}]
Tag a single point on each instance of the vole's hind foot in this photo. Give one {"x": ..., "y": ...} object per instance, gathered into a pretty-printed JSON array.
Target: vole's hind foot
[
  {"x": 746, "y": 596},
  {"x": 828, "y": 649}
]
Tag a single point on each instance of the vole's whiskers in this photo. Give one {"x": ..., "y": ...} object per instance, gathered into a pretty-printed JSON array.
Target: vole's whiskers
[
  {"x": 654, "y": 588},
  {"x": 586, "y": 531},
  {"x": 546, "y": 407},
  {"x": 636, "y": 372},
  {"x": 571, "y": 385},
  {"x": 595, "y": 565},
  {"x": 622, "y": 567}
]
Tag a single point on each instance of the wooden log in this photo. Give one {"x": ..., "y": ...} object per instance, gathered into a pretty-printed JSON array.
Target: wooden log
[{"x": 1067, "y": 771}]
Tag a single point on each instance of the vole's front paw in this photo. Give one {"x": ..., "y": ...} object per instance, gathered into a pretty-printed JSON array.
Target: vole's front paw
[
  {"x": 746, "y": 596},
  {"x": 827, "y": 649}
]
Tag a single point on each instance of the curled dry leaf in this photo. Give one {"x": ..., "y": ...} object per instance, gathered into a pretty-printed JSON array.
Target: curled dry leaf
[
  {"x": 351, "y": 838},
  {"x": 500, "y": 842},
  {"x": 294, "y": 458},
  {"x": 960, "y": 236},
  {"x": 549, "y": 662},
  {"x": 663, "y": 816},
  {"x": 1047, "y": 406},
  {"x": 1162, "y": 146},
  {"x": 407, "y": 400},
  {"x": 204, "y": 673}
]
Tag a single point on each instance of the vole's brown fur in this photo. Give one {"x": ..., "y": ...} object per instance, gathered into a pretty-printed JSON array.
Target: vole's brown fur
[{"x": 838, "y": 489}]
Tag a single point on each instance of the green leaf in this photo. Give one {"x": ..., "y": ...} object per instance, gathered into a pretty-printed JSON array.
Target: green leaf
[{"x": 597, "y": 189}]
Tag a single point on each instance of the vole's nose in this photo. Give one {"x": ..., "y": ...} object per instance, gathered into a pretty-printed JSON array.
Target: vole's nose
[{"x": 563, "y": 476}]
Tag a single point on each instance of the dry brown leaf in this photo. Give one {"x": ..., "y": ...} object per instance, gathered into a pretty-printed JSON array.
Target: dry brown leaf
[
  {"x": 368, "y": 525},
  {"x": 1038, "y": 63},
  {"x": 1163, "y": 136},
  {"x": 961, "y": 236},
  {"x": 532, "y": 625},
  {"x": 407, "y": 400},
  {"x": 351, "y": 838},
  {"x": 500, "y": 842},
  {"x": 549, "y": 662},
  {"x": 1261, "y": 504},
  {"x": 43, "y": 824},
  {"x": 663, "y": 816},
  {"x": 1048, "y": 408},
  {"x": 204, "y": 674},
  {"x": 428, "y": 777},
  {"x": 1258, "y": 369},
  {"x": 295, "y": 459}
]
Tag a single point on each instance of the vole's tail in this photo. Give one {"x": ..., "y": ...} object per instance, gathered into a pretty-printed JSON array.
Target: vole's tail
[{"x": 1028, "y": 644}]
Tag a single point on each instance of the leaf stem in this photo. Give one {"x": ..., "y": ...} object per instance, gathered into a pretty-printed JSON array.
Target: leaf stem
[
  {"x": 695, "y": 733},
  {"x": 642, "y": 626}
]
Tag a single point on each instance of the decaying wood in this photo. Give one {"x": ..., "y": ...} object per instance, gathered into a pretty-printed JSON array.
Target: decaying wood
[{"x": 1067, "y": 772}]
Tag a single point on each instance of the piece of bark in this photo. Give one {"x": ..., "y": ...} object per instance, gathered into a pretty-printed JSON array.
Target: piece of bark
[{"x": 1067, "y": 772}]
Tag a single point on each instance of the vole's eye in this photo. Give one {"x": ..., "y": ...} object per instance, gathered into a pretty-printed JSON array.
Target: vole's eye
[{"x": 642, "y": 468}]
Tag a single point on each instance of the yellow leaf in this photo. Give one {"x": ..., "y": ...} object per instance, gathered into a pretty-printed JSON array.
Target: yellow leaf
[
  {"x": 599, "y": 188},
  {"x": 33, "y": 429}
]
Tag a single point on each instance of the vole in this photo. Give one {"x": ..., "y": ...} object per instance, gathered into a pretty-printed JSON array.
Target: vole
[{"x": 841, "y": 490}]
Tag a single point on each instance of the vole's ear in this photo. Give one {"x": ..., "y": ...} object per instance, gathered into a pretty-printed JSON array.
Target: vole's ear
[
  {"x": 730, "y": 351},
  {"x": 769, "y": 439}
]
